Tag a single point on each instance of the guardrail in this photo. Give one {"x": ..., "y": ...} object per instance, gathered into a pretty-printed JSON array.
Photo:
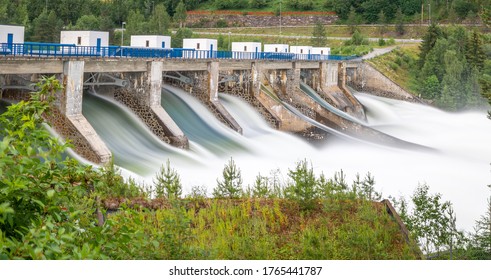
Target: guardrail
[{"x": 67, "y": 50}]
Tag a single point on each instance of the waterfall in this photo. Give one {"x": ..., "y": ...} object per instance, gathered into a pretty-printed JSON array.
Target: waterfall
[{"x": 460, "y": 170}]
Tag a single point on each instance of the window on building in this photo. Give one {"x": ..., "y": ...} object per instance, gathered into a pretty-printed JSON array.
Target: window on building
[
  {"x": 322, "y": 51},
  {"x": 147, "y": 43},
  {"x": 301, "y": 50},
  {"x": 245, "y": 48},
  {"x": 79, "y": 41},
  {"x": 197, "y": 46},
  {"x": 275, "y": 49}
]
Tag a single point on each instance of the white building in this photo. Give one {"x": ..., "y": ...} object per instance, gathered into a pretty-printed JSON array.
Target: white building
[
  {"x": 246, "y": 47},
  {"x": 85, "y": 38},
  {"x": 321, "y": 51},
  {"x": 150, "y": 41},
  {"x": 276, "y": 48},
  {"x": 200, "y": 44},
  {"x": 301, "y": 49},
  {"x": 246, "y": 50},
  {"x": 11, "y": 34}
]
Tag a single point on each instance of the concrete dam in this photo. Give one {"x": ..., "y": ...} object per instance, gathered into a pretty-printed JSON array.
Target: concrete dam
[{"x": 310, "y": 98}]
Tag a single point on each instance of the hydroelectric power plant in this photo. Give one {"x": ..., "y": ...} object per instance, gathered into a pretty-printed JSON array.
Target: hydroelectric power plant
[{"x": 266, "y": 112}]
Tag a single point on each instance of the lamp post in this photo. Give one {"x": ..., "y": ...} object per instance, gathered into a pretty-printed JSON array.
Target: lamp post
[
  {"x": 280, "y": 20},
  {"x": 429, "y": 13},
  {"x": 122, "y": 32}
]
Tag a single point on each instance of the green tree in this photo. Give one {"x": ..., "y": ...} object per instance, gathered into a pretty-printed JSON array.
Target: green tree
[
  {"x": 353, "y": 20},
  {"x": 433, "y": 33},
  {"x": 481, "y": 239},
  {"x": 431, "y": 221},
  {"x": 136, "y": 24},
  {"x": 382, "y": 20},
  {"x": 303, "y": 187},
  {"x": 464, "y": 7},
  {"x": 319, "y": 35},
  {"x": 179, "y": 36},
  {"x": 434, "y": 63},
  {"x": 431, "y": 88},
  {"x": 231, "y": 185},
  {"x": 475, "y": 53},
  {"x": 356, "y": 40},
  {"x": 258, "y": 3},
  {"x": 88, "y": 22},
  {"x": 46, "y": 28},
  {"x": 168, "y": 182},
  {"x": 261, "y": 187},
  {"x": 343, "y": 7},
  {"x": 160, "y": 20},
  {"x": 400, "y": 28},
  {"x": 453, "y": 85},
  {"x": 222, "y": 44},
  {"x": 181, "y": 14}
]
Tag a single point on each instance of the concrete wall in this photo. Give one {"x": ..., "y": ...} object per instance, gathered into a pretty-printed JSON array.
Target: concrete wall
[
  {"x": 87, "y": 38},
  {"x": 280, "y": 48},
  {"x": 16, "y": 31},
  {"x": 154, "y": 41},
  {"x": 366, "y": 78}
]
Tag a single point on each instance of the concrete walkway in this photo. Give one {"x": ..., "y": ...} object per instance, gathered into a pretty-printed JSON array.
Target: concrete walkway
[{"x": 377, "y": 52}]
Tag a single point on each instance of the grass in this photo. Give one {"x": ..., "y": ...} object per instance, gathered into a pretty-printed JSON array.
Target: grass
[
  {"x": 264, "y": 229},
  {"x": 331, "y": 30},
  {"x": 399, "y": 65}
]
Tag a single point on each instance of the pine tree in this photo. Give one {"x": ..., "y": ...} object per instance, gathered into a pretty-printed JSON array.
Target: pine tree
[
  {"x": 46, "y": 27},
  {"x": 160, "y": 20},
  {"x": 303, "y": 187},
  {"x": 319, "y": 35},
  {"x": 400, "y": 29},
  {"x": 482, "y": 237},
  {"x": 453, "y": 93},
  {"x": 475, "y": 54},
  {"x": 231, "y": 185},
  {"x": 168, "y": 183},
  {"x": 382, "y": 20},
  {"x": 353, "y": 20},
  {"x": 429, "y": 40},
  {"x": 261, "y": 187},
  {"x": 181, "y": 14}
]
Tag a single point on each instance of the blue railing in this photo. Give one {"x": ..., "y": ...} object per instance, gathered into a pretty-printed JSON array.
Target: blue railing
[{"x": 68, "y": 50}]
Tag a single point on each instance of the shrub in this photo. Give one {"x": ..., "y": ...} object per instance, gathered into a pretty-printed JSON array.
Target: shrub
[
  {"x": 231, "y": 185},
  {"x": 303, "y": 187},
  {"x": 168, "y": 183}
]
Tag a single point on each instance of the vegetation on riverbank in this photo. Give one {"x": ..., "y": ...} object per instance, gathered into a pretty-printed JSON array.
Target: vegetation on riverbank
[
  {"x": 451, "y": 68},
  {"x": 54, "y": 208}
]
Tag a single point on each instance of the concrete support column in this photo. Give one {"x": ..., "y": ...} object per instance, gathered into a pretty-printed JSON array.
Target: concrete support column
[
  {"x": 342, "y": 75},
  {"x": 256, "y": 78},
  {"x": 328, "y": 75},
  {"x": 73, "y": 81},
  {"x": 213, "y": 67},
  {"x": 155, "y": 69}
]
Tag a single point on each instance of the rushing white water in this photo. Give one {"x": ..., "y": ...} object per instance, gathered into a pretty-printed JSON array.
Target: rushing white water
[{"x": 459, "y": 170}]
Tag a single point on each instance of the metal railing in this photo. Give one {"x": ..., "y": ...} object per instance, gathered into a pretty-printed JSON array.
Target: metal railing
[{"x": 29, "y": 49}]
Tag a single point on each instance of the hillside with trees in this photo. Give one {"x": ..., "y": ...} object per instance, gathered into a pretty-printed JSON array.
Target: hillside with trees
[{"x": 44, "y": 19}]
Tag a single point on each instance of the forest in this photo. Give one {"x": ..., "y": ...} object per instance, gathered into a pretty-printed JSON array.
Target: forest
[{"x": 44, "y": 19}]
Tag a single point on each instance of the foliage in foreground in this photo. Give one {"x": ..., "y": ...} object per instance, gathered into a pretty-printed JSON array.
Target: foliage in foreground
[{"x": 51, "y": 207}]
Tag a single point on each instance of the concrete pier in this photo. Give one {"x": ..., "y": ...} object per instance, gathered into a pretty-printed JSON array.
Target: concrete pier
[{"x": 144, "y": 79}]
